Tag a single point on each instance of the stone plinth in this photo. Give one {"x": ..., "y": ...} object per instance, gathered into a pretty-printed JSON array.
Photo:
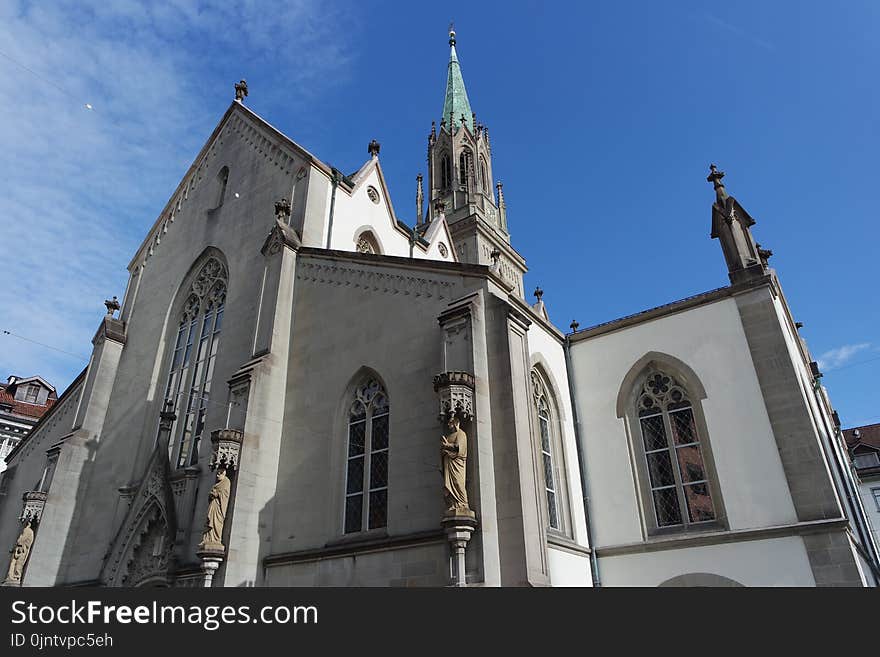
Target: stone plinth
[
  {"x": 459, "y": 527},
  {"x": 212, "y": 556}
]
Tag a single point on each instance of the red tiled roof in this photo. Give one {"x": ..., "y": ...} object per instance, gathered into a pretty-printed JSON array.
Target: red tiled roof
[
  {"x": 23, "y": 408},
  {"x": 868, "y": 435}
]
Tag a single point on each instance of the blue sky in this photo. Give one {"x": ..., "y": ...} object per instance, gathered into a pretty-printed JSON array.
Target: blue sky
[{"x": 604, "y": 117}]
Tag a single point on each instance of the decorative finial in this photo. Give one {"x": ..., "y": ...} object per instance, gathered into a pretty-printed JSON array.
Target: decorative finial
[
  {"x": 373, "y": 148},
  {"x": 282, "y": 211},
  {"x": 241, "y": 91},
  {"x": 112, "y": 306},
  {"x": 715, "y": 177},
  {"x": 496, "y": 256},
  {"x": 433, "y": 130},
  {"x": 420, "y": 199},
  {"x": 574, "y": 326},
  {"x": 539, "y": 293},
  {"x": 763, "y": 254},
  {"x": 451, "y": 33}
]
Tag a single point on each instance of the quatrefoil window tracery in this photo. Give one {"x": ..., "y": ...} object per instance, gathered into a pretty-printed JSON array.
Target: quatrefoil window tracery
[{"x": 661, "y": 391}]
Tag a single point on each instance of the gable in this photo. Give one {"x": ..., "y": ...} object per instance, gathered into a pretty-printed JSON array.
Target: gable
[{"x": 266, "y": 142}]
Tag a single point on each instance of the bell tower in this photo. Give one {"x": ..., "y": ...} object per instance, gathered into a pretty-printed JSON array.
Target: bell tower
[{"x": 461, "y": 185}]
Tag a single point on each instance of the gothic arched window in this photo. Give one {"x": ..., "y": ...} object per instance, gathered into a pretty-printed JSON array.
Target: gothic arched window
[
  {"x": 366, "y": 476},
  {"x": 445, "y": 172},
  {"x": 465, "y": 162},
  {"x": 366, "y": 243},
  {"x": 192, "y": 361},
  {"x": 484, "y": 175},
  {"x": 550, "y": 444},
  {"x": 677, "y": 476}
]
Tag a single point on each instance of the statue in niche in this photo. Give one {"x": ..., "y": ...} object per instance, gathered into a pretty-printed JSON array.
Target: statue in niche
[
  {"x": 218, "y": 500},
  {"x": 453, "y": 447},
  {"x": 20, "y": 553}
]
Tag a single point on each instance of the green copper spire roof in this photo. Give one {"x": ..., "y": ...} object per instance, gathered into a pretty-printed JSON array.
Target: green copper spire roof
[{"x": 456, "y": 102}]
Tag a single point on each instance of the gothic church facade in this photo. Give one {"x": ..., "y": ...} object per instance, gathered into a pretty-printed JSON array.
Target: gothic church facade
[{"x": 301, "y": 340}]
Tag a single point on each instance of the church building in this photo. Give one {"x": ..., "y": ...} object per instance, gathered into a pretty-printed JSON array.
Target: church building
[{"x": 300, "y": 389}]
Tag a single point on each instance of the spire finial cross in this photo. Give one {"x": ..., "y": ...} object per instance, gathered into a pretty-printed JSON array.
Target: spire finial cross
[{"x": 715, "y": 177}]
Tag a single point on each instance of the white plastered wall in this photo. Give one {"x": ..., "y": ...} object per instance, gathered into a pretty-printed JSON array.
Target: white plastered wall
[
  {"x": 772, "y": 562},
  {"x": 355, "y": 213},
  {"x": 711, "y": 341},
  {"x": 566, "y": 568}
]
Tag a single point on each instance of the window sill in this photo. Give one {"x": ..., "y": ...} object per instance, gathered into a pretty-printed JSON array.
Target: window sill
[
  {"x": 369, "y": 536},
  {"x": 663, "y": 533},
  {"x": 566, "y": 543}
]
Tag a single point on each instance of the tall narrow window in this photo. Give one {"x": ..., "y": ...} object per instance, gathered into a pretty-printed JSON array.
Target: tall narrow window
[
  {"x": 445, "y": 172},
  {"x": 222, "y": 180},
  {"x": 464, "y": 171},
  {"x": 192, "y": 362},
  {"x": 679, "y": 484},
  {"x": 484, "y": 175},
  {"x": 549, "y": 449},
  {"x": 366, "y": 481}
]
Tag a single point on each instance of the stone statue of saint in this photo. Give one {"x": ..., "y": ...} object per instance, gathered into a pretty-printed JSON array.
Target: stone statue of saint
[
  {"x": 218, "y": 500},
  {"x": 453, "y": 448},
  {"x": 20, "y": 553}
]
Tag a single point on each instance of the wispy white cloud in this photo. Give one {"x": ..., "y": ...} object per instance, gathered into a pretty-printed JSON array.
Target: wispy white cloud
[
  {"x": 81, "y": 187},
  {"x": 837, "y": 358},
  {"x": 739, "y": 32}
]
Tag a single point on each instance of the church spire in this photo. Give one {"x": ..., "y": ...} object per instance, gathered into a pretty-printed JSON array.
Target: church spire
[
  {"x": 456, "y": 103},
  {"x": 460, "y": 184}
]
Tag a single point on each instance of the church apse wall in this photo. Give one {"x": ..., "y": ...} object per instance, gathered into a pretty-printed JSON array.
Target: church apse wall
[{"x": 363, "y": 328}]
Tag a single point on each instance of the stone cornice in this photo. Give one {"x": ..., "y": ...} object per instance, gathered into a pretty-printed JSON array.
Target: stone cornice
[
  {"x": 343, "y": 548},
  {"x": 672, "y": 308},
  {"x": 110, "y": 329},
  {"x": 699, "y": 539}
]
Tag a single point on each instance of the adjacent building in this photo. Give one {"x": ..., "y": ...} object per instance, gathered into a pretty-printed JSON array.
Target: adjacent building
[
  {"x": 864, "y": 448},
  {"x": 23, "y": 401}
]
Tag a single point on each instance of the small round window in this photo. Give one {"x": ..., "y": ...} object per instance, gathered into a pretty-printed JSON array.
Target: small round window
[
  {"x": 443, "y": 250},
  {"x": 373, "y": 194}
]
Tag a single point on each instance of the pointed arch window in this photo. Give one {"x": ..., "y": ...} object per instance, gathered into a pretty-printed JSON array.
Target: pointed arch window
[
  {"x": 484, "y": 175},
  {"x": 681, "y": 488},
  {"x": 445, "y": 172},
  {"x": 465, "y": 165},
  {"x": 191, "y": 371},
  {"x": 550, "y": 445},
  {"x": 366, "y": 479},
  {"x": 366, "y": 243},
  {"x": 222, "y": 180}
]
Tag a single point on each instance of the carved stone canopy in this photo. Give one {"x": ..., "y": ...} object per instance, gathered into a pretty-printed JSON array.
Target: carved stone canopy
[
  {"x": 225, "y": 448},
  {"x": 456, "y": 393},
  {"x": 34, "y": 503}
]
